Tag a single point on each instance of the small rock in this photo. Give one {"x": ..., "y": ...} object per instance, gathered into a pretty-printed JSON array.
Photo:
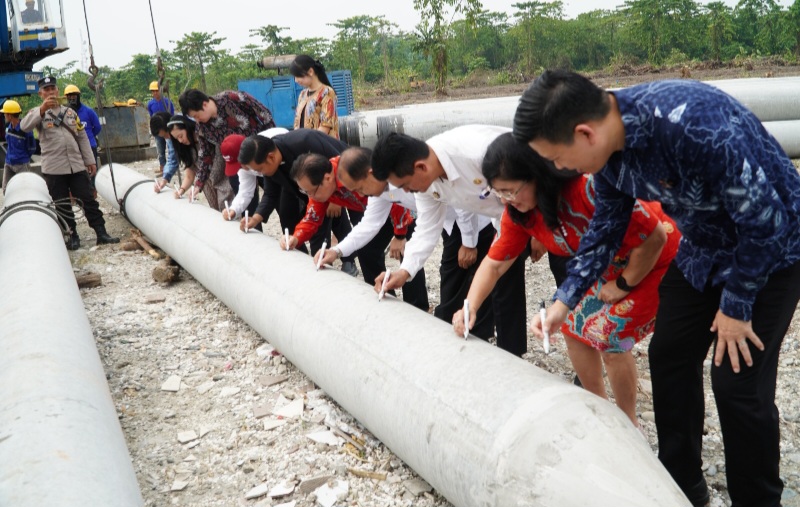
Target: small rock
[
  {"x": 265, "y": 350},
  {"x": 173, "y": 384},
  {"x": 262, "y": 411},
  {"x": 712, "y": 471},
  {"x": 331, "y": 492},
  {"x": 288, "y": 504},
  {"x": 155, "y": 298},
  {"x": 649, "y": 416},
  {"x": 256, "y": 492},
  {"x": 417, "y": 486},
  {"x": 646, "y": 386},
  {"x": 187, "y": 436}
]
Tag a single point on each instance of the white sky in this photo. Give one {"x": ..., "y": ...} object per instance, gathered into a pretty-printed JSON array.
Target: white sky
[{"x": 121, "y": 29}]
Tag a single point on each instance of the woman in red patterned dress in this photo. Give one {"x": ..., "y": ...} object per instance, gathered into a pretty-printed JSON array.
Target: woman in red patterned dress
[{"x": 617, "y": 311}]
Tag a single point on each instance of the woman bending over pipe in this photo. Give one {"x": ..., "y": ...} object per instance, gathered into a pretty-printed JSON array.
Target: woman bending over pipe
[{"x": 617, "y": 311}]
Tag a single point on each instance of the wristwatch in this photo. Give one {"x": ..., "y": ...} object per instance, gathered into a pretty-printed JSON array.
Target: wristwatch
[
  {"x": 622, "y": 284},
  {"x": 338, "y": 252}
]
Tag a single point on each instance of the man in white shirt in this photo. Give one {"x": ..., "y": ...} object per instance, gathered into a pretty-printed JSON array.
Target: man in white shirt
[{"x": 446, "y": 171}]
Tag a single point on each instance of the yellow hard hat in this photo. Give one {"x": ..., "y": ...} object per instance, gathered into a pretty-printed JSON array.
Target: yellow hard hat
[
  {"x": 154, "y": 86},
  {"x": 11, "y": 107},
  {"x": 71, "y": 89},
  {"x": 132, "y": 102}
]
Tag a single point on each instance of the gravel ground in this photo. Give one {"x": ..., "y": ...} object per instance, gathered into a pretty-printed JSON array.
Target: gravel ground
[{"x": 216, "y": 441}]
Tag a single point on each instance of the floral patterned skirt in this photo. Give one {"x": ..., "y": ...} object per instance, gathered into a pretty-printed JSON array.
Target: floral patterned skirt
[{"x": 616, "y": 328}]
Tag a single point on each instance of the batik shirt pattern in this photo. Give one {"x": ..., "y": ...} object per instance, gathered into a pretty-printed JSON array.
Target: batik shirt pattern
[{"x": 717, "y": 172}]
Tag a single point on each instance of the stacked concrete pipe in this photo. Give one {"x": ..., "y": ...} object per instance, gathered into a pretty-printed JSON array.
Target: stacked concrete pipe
[
  {"x": 482, "y": 426},
  {"x": 775, "y": 101},
  {"x": 60, "y": 440}
]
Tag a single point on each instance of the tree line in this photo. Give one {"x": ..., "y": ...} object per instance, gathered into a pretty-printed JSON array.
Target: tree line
[{"x": 457, "y": 37}]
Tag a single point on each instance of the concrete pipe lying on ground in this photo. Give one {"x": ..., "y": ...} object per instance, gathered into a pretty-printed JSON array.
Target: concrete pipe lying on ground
[
  {"x": 60, "y": 439},
  {"x": 482, "y": 426},
  {"x": 771, "y": 99}
]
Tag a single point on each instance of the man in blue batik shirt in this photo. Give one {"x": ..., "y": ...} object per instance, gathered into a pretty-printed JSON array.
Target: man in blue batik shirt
[{"x": 735, "y": 282}]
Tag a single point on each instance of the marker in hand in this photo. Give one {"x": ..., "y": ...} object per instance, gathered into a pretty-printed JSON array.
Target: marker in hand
[
  {"x": 178, "y": 191},
  {"x": 246, "y": 221},
  {"x": 383, "y": 285},
  {"x": 227, "y": 210},
  {"x": 543, "y": 317},
  {"x": 156, "y": 180},
  {"x": 321, "y": 255},
  {"x": 191, "y": 195},
  {"x": 466, "y": 318},
  {"x": 286, "y": 235}
]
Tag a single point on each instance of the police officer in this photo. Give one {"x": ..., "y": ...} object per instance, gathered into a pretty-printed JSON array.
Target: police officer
[{"x": 67, "y": 160}]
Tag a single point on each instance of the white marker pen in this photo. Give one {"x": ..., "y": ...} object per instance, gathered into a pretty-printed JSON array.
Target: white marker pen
[
  {"x": 466, "y": 318},
  {"x": 383, "y": 285},
  {"x": 543, "y": 317},
  {"x": 286, "y": 234},
  {"x": 228, "y": 210},
  {"x": 321, "y": 254},
  {"x": 246, "y": 221}
]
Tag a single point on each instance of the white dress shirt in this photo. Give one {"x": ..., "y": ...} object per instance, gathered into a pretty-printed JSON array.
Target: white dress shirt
[
  {"x": 378, "y": 209},
  {"x": 460, "y": 151},
  {"x": 248, "y": 178}
]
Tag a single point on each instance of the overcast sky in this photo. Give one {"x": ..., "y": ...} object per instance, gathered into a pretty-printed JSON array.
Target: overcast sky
[{"x": 122, "y": 29}]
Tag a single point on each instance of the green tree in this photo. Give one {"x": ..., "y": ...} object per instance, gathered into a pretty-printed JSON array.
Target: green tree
[
  {"x": 720, "y": 28},
  {"x": 355, "y": 41},
  {"x": 793, "y": 18},
  {"x": 270, "y": 35},
  {"x": 199, "y": 49},
  {"x": 433, "y": 31}
]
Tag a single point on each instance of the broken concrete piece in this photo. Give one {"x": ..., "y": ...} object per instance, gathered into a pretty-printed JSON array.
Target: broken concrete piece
[
  {"x": 271, "y": 424},
  {"x": 331, "y": 492},
  {"x": 282, "y": 489},
  {"x": 256, "y": 492},
  {"x": 325, "y": 437},
  {"x": 288, "y": 504},
  {"x": 178, "y": 486},
  {"x": 205, "y": 387},
  {"x": 172, "y": 384},
  {"x": 291, "y": 409},
  {"x": 229, "y": 391},
  {"x": 155, "y": 298},
  {"x": 271, "y": 380},
  {"x": 309, "y": 485},
  {"x": 265, "y": 350},
  {"x": 262, "y": 410},
  {"x": 187, "y": 436}
]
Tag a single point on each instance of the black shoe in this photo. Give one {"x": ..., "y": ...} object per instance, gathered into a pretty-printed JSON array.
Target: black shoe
[
  {"x": 74, "y": 241},
  {"x": 576, "y": 381},
  {"x": 103, "y": 238}
]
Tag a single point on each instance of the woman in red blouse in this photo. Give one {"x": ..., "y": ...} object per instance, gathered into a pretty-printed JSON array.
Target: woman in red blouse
[{"x": 617, "y": 311}]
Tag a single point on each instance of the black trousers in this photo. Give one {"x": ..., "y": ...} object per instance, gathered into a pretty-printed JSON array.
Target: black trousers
[
  {"x": 745, "y": 401},
  {"x": 372, "y": 259},
  {"x": 291, "y": 210},
  {"x": 505, "y": 308},
  {"x": 61, "y": 186}
]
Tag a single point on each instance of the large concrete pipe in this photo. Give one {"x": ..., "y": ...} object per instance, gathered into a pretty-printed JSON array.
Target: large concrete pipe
[
  {"x": 276, "y": 62},
  {"x": 482, "y": 426},
  {"x": 772, "y": 100},
  {"x": 60, "y": 440}
]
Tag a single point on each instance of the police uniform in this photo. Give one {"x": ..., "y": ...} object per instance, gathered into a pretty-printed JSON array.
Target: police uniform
[{"x": 66, "y": 154}]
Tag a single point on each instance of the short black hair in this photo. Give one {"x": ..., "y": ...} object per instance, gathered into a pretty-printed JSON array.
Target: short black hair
[
  {"x": 255, "y": 149},
  {"x": 192, "y": 100},
  {"x": 510, "y": 160},
  {"x": 396, "y": 154},
  {"x": 555, "y": 103},
  {"x": 158, "y": 122},
  {"x": 312, "y": 166},
  {"x": 356, "y": 161}
]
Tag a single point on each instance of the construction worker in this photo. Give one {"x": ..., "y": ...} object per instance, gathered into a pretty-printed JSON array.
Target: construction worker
[
  {"x": 89, "y": 119},
  {"x": 21, "y": 145},
  {"x": 67, "y": 160},
  {"x": 155, "y": 105}
]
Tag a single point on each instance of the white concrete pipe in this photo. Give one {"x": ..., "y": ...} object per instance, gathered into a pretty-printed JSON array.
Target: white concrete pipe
[
  {"x": 60, "y": 439},
  {"x": 771, "y": 99},
  {"x": 482, "y": 426}
]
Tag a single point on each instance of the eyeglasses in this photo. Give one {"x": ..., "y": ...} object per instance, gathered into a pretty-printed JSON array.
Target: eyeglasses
[
  {"x": 310, "y": 193},
  {"x": 508, "y": 196}
]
